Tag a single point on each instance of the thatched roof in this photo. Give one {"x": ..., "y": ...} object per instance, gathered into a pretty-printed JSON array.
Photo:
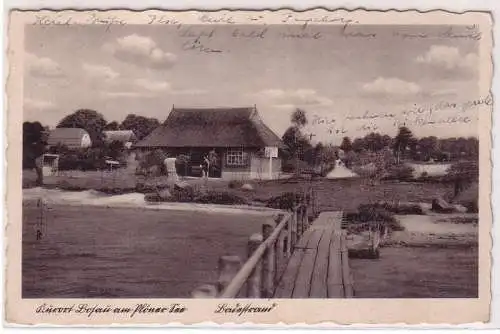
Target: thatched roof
[
  {"x": 212, "y": 127},
  {"x": 70, "y": 137},
  {"x": 122, "y": 136}
]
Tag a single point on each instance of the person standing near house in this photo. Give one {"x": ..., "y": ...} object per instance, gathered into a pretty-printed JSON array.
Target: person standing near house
[
  {"x": 213, "y": 160},
  {"x": 205, "y": 166}
]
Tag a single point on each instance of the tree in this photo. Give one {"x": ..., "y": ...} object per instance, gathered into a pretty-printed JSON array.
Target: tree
[
  {"x": 299, "y": 118},
  {"x": 402, "y": 141},
  {"x": 113, "y": 126},
  {"x": 386, "y": 141},
  {"x": 34, "y": 145},
  {"x": 89, "y": 120},
  {"x": 140, "y": 125},
  {"x": 296, "y": 144},
  {"x": 115, "y": 150},
  {"x": 318, "y": 153},
  {"x": 346, "y": 145},
  {"x": 373, "y": 142},
  {"x": 358, "y": 145},
  {"x": 427, "y": 147}
]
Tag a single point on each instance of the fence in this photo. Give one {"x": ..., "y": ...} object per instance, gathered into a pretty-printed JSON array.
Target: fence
[{"x": 268, "y": 254}]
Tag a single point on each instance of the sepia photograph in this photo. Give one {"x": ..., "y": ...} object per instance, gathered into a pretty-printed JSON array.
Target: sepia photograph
[
  {"x": 279, "y": 156},
  {"x": 158, "y": 159}
]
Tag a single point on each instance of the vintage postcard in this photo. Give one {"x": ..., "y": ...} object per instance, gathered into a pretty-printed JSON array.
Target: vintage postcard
[{"x": 257, "y": 167}]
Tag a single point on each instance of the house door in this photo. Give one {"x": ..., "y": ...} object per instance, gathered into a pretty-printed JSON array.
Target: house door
[
  {"x": 197, "y": 161},
  {"x": 215, "y": 167}
]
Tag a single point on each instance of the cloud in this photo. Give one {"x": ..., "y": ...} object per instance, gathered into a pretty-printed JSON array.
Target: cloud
[
  {"x": 444, "y": 92},
  {"x": 153, "y": 85},
  {"x": 391, "y": 86},
  {"x": 448, "y": 58},
  {"x": 140, "y": 51},
  {"x": 157, "y": 86},
  {"x": 100, "y": 72},
  {"x": 39, "y": 105},
  {"x": 125, "y": 94},
  {"x": 189, "y": 91},
  {"x": 293, "y": 98},
  {"x": 146, "y": 88},
  {"x": 43, "y": 67}
]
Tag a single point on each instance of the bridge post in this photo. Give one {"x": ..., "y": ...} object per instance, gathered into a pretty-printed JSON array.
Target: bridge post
[
  {"x": 228, "y": 268},
  {"x": 279, "y": 249},
  {"x": 268, "y": 261},
  {"x": 254, "y": 283}
]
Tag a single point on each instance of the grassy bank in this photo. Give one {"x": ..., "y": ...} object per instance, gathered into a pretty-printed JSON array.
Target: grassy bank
[{"x": 345, "y": 194}]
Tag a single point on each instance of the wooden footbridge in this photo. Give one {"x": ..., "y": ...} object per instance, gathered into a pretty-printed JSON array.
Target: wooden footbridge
[
  {"x": 298, "y": 255},
  {"x": 319, "y": 265}
]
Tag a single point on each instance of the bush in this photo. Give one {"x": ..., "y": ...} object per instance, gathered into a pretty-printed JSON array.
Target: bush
[
  {"x": 399, "y": 172},
  {"x": 286, "y": 201},
  {"x": 187, "y": 194},
  {"x": 464, "y": 170},
  {"x": 220, "y": 197},
  {"x": 83, "y": 159},
  {"x": 151, "y": 163},
  {"x": 376, "y": 214},
  {"x": 290, "y": 166},
  {"x": 235, "y": 184},
  {"x": 69, "y": 161},
  {"x": 401, "y": 208},
  {"x": 370, "y": 212}
]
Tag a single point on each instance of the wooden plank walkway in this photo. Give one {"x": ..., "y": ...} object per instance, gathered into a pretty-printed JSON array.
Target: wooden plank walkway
[{"x": 318, "y": 267}]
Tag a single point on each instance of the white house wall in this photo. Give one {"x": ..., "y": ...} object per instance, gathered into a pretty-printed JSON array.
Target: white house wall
[{"x": 259, "y": 168}]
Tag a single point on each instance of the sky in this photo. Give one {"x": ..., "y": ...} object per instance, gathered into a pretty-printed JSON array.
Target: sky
[{"x": 383, "y": 77}]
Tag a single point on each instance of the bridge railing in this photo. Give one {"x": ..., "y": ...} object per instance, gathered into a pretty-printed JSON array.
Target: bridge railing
[{"x": 268, "y": 254}]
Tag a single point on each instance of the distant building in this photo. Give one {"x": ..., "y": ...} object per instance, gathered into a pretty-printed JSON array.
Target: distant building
[
  {"x": 127, "y": 137},
  {"x": 72, "y": 138},
  {"x": 234, "y": 139}
]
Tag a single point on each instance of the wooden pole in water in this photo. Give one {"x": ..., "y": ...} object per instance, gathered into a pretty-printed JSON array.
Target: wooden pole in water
[
  {"x": 268, "y": 265},
  {"x": 228, "y": 268},
  {"x": 254, "y": 284}
]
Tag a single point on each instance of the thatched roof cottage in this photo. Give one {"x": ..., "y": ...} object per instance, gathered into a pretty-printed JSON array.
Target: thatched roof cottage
[{"x": 238, "y": 136}]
